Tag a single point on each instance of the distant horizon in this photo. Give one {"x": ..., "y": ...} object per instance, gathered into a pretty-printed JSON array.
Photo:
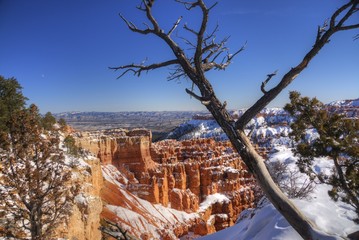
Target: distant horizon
[
  {"x": 204, "y": 110},
  {"x": 60, "y": 51}
]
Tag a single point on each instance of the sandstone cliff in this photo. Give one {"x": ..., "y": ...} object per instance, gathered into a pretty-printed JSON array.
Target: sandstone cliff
[
  {"x": 183, "y": 176},
  {"x": 84, "y": 221},
  {"x": 128, "y": 150},
  {"x": 201, "y": 168},
  {"x": 139, "y": 217}
]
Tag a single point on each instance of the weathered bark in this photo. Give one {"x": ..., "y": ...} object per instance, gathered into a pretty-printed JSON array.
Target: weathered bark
[
  {"x": 256, "y": 165},
  {"x": 206, "y": 52}
]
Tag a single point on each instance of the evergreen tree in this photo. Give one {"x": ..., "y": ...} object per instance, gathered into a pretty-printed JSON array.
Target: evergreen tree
[
  {"x": 62, "y": 123},
  {"x": 48, "y": 121},
  {"x": 71, "y": 146},
  {"x": 11, "y": 100},
  {"x": 337, "y": 139},
  {"x": 35, "y": 193}
]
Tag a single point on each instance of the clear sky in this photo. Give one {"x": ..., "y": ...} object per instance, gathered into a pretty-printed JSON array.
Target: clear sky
[{"x": 60, "y": 51}]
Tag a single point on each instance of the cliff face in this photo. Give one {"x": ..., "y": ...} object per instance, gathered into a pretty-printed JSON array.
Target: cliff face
[
  {"x": 184, "y": 176},
  {"x": 128, "y": 150},
  {"x": 199, "y": 169},
  {"x": 84, "y": 221},
  {"x": 141, "y": 219}
]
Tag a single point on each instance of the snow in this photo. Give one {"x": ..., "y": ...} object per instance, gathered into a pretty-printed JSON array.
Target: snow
[
  {"x": 149, "y": 217},
  {"x": 333, "y": 217},
  {"x": 265, "y": 222},
  {"x": 141, "y": 214},
  {"x": 345, "y": 103},
  {"x": 212, "y": 199},
  {"x": 81, "y": 199},
  {"x": 111, "y": 174}
]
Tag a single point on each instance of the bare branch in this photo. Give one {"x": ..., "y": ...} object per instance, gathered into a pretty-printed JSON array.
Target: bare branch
[
  {"x": 203, "y": 100},
  {"x": 198, "y": 53},
  {"x": 114, "y": 230},
  {"x": 321, "y": 40},
  {"x": 176, "y": 74},
  {"x": 190, "y": 30},
  {"x": 321, "y": 29},
  {"x": 133, "y": 27},
  {"x": 349, "y": 27},
  {"x": 196, "y": 65},
  {"x": 212, "y": 34},
  {"x": 231, "y": 56},
  {"x": 350, "y": 12},
  {"x": 188, "y": 5},
  {"x": 210, "y": 8},
  {"x": 226, "y": 61},
  {"x": 264, "y": 83},
  {"x": 174, "y": 26},
  {"x": 224, "y": 105},
  {"x": 188, "y": 42},
  {"x": 138, "y": 68}
]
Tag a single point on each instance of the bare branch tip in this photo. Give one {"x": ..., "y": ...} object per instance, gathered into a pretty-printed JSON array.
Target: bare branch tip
[{"x": 264, "y": 83}]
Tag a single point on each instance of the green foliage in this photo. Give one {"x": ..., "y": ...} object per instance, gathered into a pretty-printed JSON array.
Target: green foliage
[
  {"x": 36, "y": 194},
  {"x": 71, "y": 146},
  {"x": 48, "y": 121},
  {"x": 11, "y": 100},
  {"x": 337, "y": 139},
  {"x": 62, "y": 123}
]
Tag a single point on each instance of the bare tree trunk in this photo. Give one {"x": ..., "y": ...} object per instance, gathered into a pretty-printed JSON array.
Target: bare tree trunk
[
  {"x": 204, "y": 58},
  {"x": 256, "y": 165}
]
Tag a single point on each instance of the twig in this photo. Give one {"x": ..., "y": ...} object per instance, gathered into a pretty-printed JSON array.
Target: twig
[
  {"x": 203, "y": 100},
  {"x": 264, "y": 83}
]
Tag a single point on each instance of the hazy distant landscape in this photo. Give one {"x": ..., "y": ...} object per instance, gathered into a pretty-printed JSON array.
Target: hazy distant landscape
[{"x": 159, "y": 123}]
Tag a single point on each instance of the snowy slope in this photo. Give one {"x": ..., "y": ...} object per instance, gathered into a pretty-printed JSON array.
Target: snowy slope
[
  {"x": 271, "y": 128},
  {"x": 266, "y": 129},
  {"x": 265, "y": 222},
  {"x": 345, "y": 103},
  {"x": 140, "y": 216}
]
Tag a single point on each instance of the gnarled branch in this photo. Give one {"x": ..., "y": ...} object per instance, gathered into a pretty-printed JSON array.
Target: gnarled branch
[
  {"x": 114, "y": 230},
  {"x": 137, "y": 69},
  {"x": 206, "y": 52},
  {"x": 204, "y": 100},
  {"x": 133, "y": 27},
  {"x": 321, "y": 39},
  {"x": 269, "y": 77},
  {"x": 174, "y": 26}
]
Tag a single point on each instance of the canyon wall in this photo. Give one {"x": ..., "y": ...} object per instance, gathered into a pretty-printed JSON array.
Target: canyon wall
[
  {"x": 84, "y": 221},
  {"x": 199, "y": 169},
  {"x": 127, "y": 150},
  {"x": 190, "y": 176}
]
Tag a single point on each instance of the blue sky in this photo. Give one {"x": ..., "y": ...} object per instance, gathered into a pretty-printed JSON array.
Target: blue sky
[{"x": 60, "y": 51}]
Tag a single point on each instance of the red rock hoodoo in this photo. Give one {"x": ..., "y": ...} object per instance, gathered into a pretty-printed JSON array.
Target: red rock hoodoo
[{"x": 178, "y": 174}]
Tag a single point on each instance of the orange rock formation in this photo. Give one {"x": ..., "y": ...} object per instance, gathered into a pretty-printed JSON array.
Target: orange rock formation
[{"x": 177, "y": 174}]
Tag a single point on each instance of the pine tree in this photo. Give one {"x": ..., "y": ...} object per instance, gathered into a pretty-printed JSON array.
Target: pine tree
[
  {"x": 11, "y": 100},
  {"x": 48, "y": 121},
  {"x": 62, "y": 123},
  {"x": 337, "y": 139},
  {"x": 71, "y": 146},
  {"x": 35, "y": 196}
]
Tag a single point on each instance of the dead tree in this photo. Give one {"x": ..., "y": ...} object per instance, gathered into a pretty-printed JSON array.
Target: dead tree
[
  {"x": 115, "y": 231},
  {"x": 210, "y": 54}
]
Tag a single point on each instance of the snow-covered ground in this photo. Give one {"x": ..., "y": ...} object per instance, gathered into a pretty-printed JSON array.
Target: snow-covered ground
[
  {"x": 271, "y": 128},
  {"x": 265, "y": 222},
  {"x": 141, "y": 215}
]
